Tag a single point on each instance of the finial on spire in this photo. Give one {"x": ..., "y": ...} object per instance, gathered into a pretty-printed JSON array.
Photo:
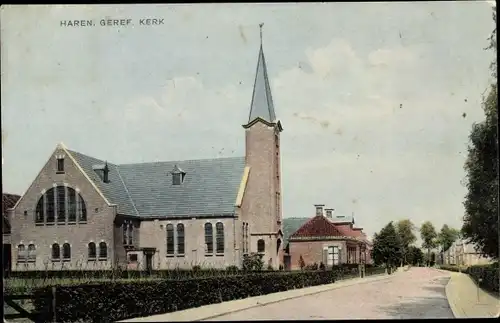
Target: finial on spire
[{"x": 260, "y": 26}]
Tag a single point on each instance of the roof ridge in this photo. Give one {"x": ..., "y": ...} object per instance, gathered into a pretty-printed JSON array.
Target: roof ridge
[
  {"x": 181, "y": 161},
  {"x": 126, "y": 189}
]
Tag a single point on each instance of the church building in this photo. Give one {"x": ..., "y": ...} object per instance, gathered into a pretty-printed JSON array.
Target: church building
[{"x": 82, "y": 212}]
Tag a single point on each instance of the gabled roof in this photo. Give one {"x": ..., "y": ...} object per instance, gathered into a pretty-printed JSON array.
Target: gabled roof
[
  {"x": 262, "y": 102},
  {"x": 8, "y": 201},
  {"x": 318, "y": 226},
  {"x": 210, "y": 186}
]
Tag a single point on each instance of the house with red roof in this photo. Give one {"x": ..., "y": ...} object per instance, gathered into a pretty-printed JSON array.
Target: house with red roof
[{"x": 329, "y": 240}]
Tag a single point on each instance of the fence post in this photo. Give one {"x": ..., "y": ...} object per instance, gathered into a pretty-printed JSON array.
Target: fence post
[{"x": 54, "y": 304}]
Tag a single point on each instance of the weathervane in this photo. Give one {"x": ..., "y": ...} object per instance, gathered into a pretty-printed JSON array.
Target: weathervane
[{"x": 260, "y": 26}]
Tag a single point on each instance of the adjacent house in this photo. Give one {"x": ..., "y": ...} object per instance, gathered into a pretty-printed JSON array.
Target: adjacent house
[
  {"x": 85, "y": 212},
  {"x": 329, "y": 240},
  {"x": 8, "y": 201},
  {"x": 463, "y": 253}
]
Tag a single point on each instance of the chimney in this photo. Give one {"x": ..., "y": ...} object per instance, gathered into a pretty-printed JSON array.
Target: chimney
[
  {"x": 329, "y": 213},
  {"x": 319, "y": 209}
]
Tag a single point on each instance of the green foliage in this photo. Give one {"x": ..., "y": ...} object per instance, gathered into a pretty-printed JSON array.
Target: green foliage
[
  {"x": 115, "y": 301},
  {"x": 486, "y": 276},
  {"x": 405, "y": 229},
  {"x": 312, "y": 267},
  {"x": 446, "y": 237},
  {"x": 415, "y": 256},
  {"x": 253, "y": 262},
  {"x": 428, "y": 235},
  {"x": 387, "y": 246},
  {"x": 480, "y": 225}
]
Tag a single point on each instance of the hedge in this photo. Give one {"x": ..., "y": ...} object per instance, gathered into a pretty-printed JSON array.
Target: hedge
[
  {"x": 486, "y": 276},
  {"x": 115, "y": 300}
]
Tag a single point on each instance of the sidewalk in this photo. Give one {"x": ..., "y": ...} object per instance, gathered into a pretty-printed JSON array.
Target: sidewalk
[
  {"x": 469, "y": 301},
  {"x": 214, "y": 310}
]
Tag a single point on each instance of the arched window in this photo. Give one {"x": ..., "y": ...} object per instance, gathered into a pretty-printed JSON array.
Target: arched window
[
  {"x": 72, "y": 211},
  {"x": 31, "y": 253},
  {"x": 180, "y": 239},
  {"x": 66, "y": 252},
  {"x": 219, "y": 237},
  {"x": 103, "y": 251},
  {"x": 209, "y": 239},
  {"x": 261, "y": 245},
  {"x": 244, "y": 238},
  {"x": 92, "y": 252},
  {"x": 170, "y": 239},
  {"x": 21, "y": 253},
  {"x": 40, "y": 211},
  {"x": 56, "y": 252},
  {"x": 51, "y": 210},
  {"x": 83, "y": 210},
  {"x": 61, "y": 204}
]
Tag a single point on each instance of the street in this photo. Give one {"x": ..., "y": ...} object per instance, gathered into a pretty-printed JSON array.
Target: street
[{"x": 417, "y": 293}]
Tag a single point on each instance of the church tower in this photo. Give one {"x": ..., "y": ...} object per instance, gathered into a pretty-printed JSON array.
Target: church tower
[{"x": 262, "y": 135}]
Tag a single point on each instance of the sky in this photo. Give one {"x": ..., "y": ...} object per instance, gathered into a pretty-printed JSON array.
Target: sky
[{"x": 376, "y": 99}]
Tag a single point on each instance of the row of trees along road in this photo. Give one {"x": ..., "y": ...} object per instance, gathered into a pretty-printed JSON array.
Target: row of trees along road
[{"x": 394, "y": 244}]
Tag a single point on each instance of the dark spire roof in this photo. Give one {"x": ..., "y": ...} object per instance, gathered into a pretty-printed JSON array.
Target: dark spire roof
[{"x": 262, "y": 101}]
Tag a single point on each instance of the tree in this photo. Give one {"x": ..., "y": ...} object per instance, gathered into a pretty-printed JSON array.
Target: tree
[
  {"x": 387, "y": 246},
  {"x": 428, "y": 235},
  {"x": 415, "y": 256},
  {"x": 407, "y": 237},
  {"x": 480, "y": 225},
  {"x": 446, "y": 237}
]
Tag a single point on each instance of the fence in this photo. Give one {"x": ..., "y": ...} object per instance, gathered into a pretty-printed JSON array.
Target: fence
[{"x": 27, "y": 313}]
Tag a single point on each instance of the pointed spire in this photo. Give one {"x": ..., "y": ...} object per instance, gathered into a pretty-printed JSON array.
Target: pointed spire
[{"x": 262, "y": 101}]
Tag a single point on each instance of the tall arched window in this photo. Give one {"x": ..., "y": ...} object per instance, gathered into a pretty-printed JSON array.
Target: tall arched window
[
  {"x": 21, "y": 253},
  {"x": 261, "y": 245},
  {"x": 92, "y": 252},
  {"x": 180, "y": 239},
  {"x": 103, "y": 251},
  {"x": 209, "y": 239},
  {"x": 31, "y": 253},
  {"x": 83, "y": 210},
  {"x": 61, "y": 204},
  {"x": 40, "y": 211},
  {"x": 51, "y": 210},
  {"x": 56, "y": 252},
  {"x": 219, "y": 237},
  {"x": 66, "y": 252},
  {"x": 170, "y": 239}
]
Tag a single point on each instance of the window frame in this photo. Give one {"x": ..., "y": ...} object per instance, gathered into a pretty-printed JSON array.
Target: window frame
[
  {"x": 103, "y": 251},
  {"x": 60, "y": 166},
  {"x": 66, "y": 252},
  {"x": 220, "y": 243},
  {"x": 170, "y": 240},
  {"x": 55, "y": 253},
  {"x": 91, "y": 249},
  {"x": 22, "y": 253},
  {"x": 209, "y": 239},
  {"x": 181, "y": 240},
  {"x": 261, "y": 246},
  {"x": 31, "y": 253}
]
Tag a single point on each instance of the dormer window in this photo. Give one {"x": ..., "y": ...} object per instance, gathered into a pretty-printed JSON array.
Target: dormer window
[
  {"x": 177, "y": 175},
  {"x": 60, "y": 164},
  {"x": 102, "y": 171}
]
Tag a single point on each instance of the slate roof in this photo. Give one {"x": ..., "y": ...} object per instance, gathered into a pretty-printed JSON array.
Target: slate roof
[
  {"x": 210, "y": 186},
  {"x": 262, "y": 102},
  {"x": 8, "y": 202},
  {"x": 317, "y": 226}
]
